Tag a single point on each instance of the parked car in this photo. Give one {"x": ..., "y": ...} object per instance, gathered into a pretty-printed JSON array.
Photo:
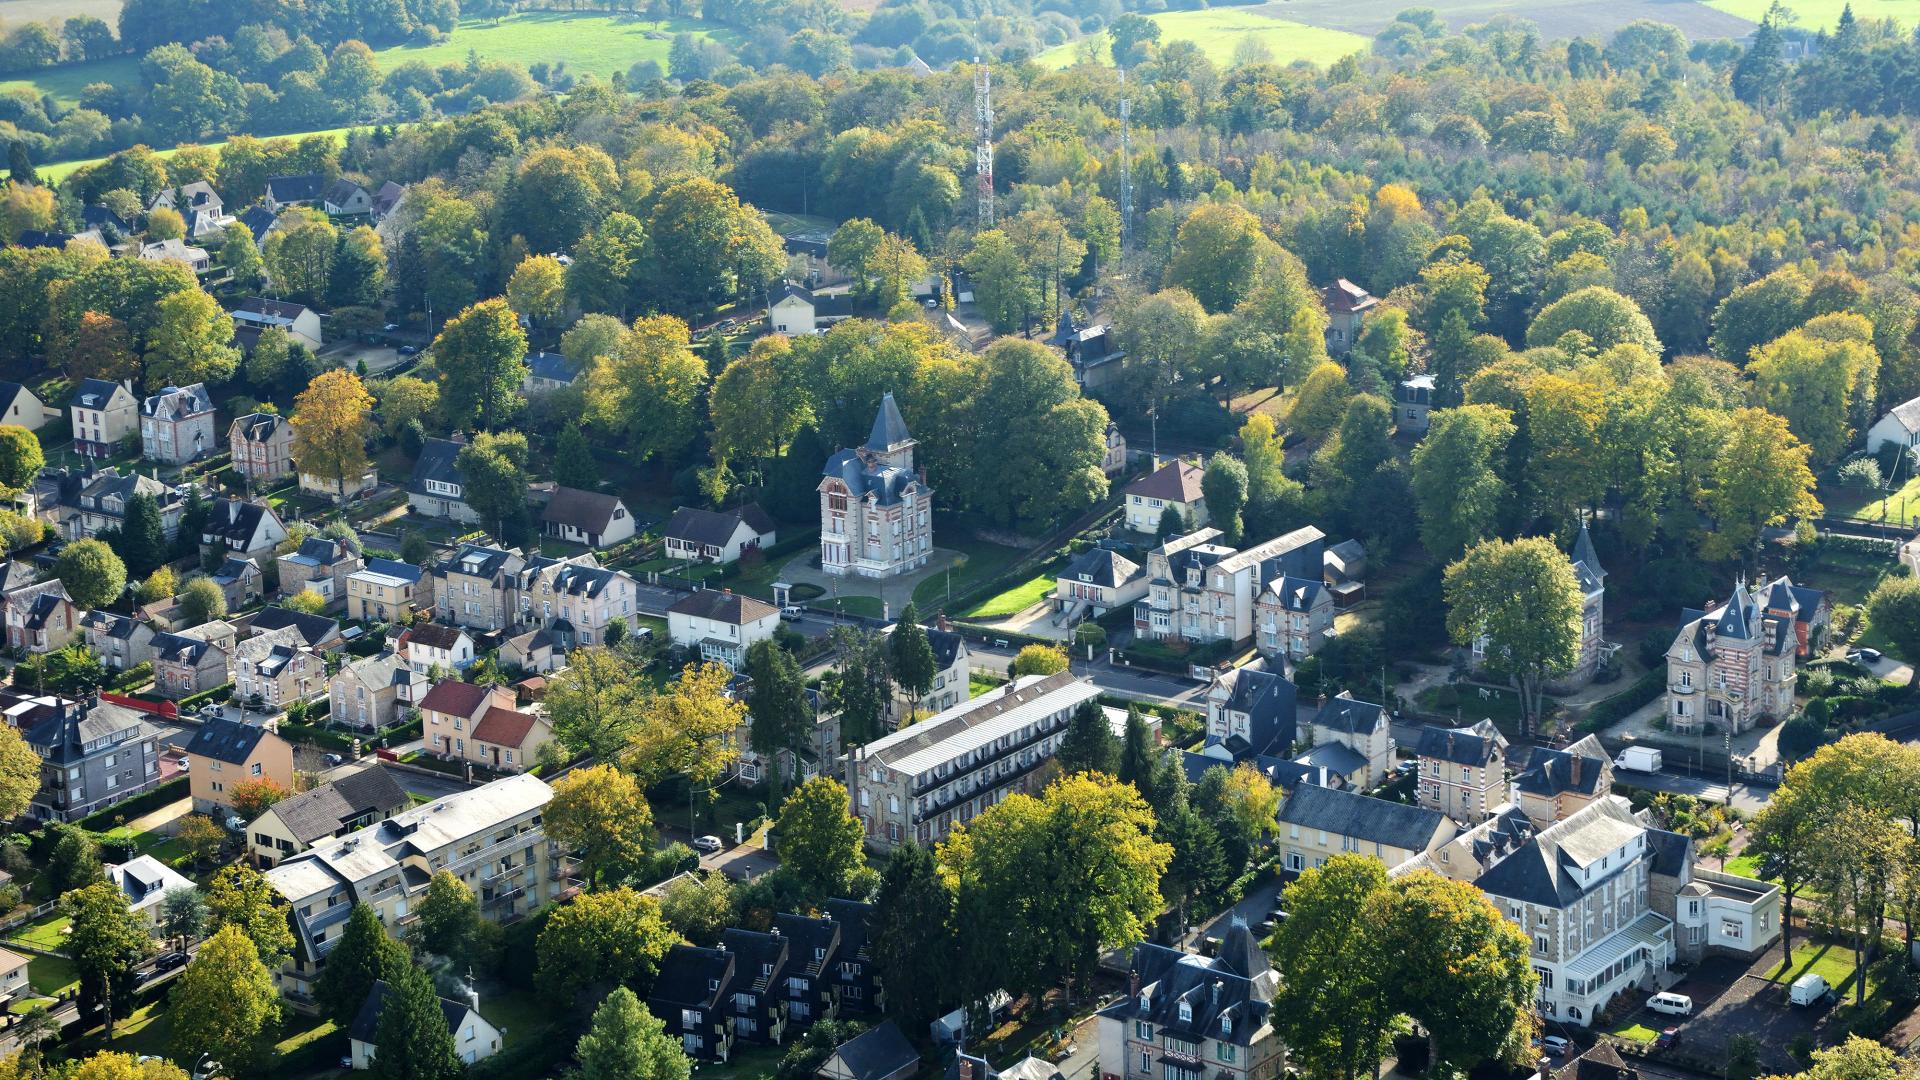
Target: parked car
[
  {"x": 1671, "y": 1004},
  {"x": 707, "y": 845},
  {"x": 1866, "y": 656},
  {"x": 1556, "y": 1045},
  {"x": 1667, "y": 1038},
  {"x": 169, "y": 961},
  {"x": 391, "y": 327},
  {"x": 792, "y": 612},
  {"x": 330, "y": 760},
  {"x": 407, "y": 350}
]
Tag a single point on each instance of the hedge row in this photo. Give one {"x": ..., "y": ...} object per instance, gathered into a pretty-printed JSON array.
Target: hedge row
[
  {"x": 1612, "y": 710},
  {"x": 170, "y": 792}
]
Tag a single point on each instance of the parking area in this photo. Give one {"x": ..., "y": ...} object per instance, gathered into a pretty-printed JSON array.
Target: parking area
[{"x": 1732, "y": 997}]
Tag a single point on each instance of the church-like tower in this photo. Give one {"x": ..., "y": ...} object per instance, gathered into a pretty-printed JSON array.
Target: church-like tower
[{"x": 876, "y": 513}]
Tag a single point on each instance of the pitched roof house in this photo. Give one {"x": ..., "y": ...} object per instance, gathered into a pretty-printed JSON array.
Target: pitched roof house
[
  {"x": 262, "y": 447},
  {"x": 249, "y": 529},
  {"x": 436, "y": 488},
  {"x": 224, "y": 753},
  {"x": 586, "y": 517},
  {"x": 374, "y": 691},
  {"x": 298, "y": 822},
  {"x": 257, "y": 313},
  {"x": 1463, "y": 771},
  {"x": 145, "y": 881},
  {"x": 321, "y": 564},
  {"x": 1317, "y": 823},
  {"x": 1198, "y": 1015},
  {"x": 720, "y": 623},
  {"x": 875, "y": 509},
  {"x": 717, "y": 536},
  {"x": 793, "y": 310},
  {"x": 190, "y": 662},
  {"x": 1557, "y": 783},
  {"x": 104, "y": 414},
  {"x": 879, "y": 1053},
  {"x": 344, "y": 198},
  {"x": 298, "y": 189},
  {"x": 474, "y": 1039},
  {"x": 121, "y": 642},
  {"x": 21, "y": 407},
  {"x": 1175, "y": 484},
  {"x": 1097, "y": 581},
  {"x": 41, "y": 618}
]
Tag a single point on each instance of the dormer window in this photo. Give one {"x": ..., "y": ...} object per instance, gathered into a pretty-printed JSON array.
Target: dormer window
[
  {"x": 1186, "y": 1013},
  {"x": 1226, "y": 1024},
  {"x": 1143, "y": 1002}
]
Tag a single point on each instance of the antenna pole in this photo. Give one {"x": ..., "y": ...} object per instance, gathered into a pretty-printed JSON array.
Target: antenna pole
[{"x": 983, "y": 139}]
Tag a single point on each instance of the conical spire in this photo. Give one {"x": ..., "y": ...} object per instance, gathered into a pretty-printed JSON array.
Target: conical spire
[
  {"x": 889, "y": 428},
  {"x": 1583, "y": 553}
]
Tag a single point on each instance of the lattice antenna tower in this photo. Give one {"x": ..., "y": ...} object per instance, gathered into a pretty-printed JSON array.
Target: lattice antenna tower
[
  {"x": 983, "y": 139},
  {"x": 1126, "y": 164}
]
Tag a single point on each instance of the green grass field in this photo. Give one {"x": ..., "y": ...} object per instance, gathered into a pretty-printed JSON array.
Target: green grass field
[
  {"x": 983, "y": 562},
  {"x": 1013, "y": 601},
  {"x": 1217, "y": 31},
  {"x": 596, "y": 44},
  {"x": 65, "y": 83},
  {"x": 1814, "y": 15}
]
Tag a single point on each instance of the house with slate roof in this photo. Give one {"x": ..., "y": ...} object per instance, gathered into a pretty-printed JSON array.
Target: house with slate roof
[
  {"x": 386, "y": 590},
  {"x": 1899, "y": 427},
  {"x": 546, "y": 372},
  {"x": 176, "y": 425},
  {"x": 93, "y": 754},
  {"x": 240, "y": 581},
  {"x": 1557, "y": 783},
  {"x": 119, "y": 641},
  {"x": 81, "y": 504},
  {"x": 199, "y": 206},
  {"x": 717, "y": 536},
  {"x": 586, "y": 517},
  {"x": 1251, "y": 717},
  {"x": 243, "y": 528},
  {"x": 104, "y": 414},
  {"x": 1463, "y": 771},
  {"x": 1413, "y": 405},
  {"x": 274, "y": 669},
  {"x": 145, "y": 881},
  {"x": 374, "y": 691},
  {"x": 1095, "y": 582},
  {"x": 1188, "y": 1017},
  {"x": 191, "y": 662},
  {"x": 1359, "y": 726},
  {"x": 436, "y": 489},
  {"x": 691, "y": 996},
  {"x": 300, "y": 189},
  {"x": 474, "y": 1039},
  {"x": 344, "y": 198},
  {"x": 1734, "y": 666},
  {"x": 262, "y": 447},
  {"x": 298, "y": 822},
  {"x": 1348, "y": 306},
  {"x": 174, "y": 249},
  {"x": 224, "y": 753},
  {"x": 320, "y": 564},
  {"x": 257, "y": 313},
  {"x": 794, "y": 311},
  {"x": 320, "y": 632},
  {"x": 1317, "y": 823},
  {"x": 1175, "y": 484},
  {"x": 1092, "y": 352},
  {"x": 21, "y": 407},
  {"x": 1202, "y": 591},
  {"x": 880, "y": 1053},
  {"x": 876, "y": 512},
  {"x": 721, "y": 624},
  {"x": 952, "y": 671},
  {"x": 41, "y": 617},
  {"x": 1293, "y": 617}
]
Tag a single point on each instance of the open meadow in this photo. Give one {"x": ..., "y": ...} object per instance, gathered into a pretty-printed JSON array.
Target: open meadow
[
  {"x": 1218, "y": 30},
  {"x": 1811, "y": 15},
  {"x": 589, "y": 44},
  {"x": 1556, "y": 19}
]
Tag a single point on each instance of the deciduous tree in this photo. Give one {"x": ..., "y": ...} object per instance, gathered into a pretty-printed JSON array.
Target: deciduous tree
[
  {"x": 615, "y": 937},
  {"x": 363, "y": 956},
  {"x": 223, "y": 1002},
  {"x": 330, "y": 422},
  {"x": 601, "y": 813},
  {"x": 818, "y": 837},
  {"x": 594, "y": 703},
  {"x": 647, "y": 392},
  {"x": 104, "y": 940},
  {"x": 1225, "y": 486},
  {"x": 19, "y": 773},
  {"x": 1457, "y": 487},
  {"x": 1759, "y": 478},
  {"x": 1038, "y": 660},
  {"x": 483, "y": 355},
  {"x": 1332, "y": 1007},
  {"x": 20, "y": 457},
  {"x": 93, "y": 574},
  {"x": 449, "y": 919},
  {"x": 1522, "y": 596},
  {"x": 240, "y": 896}
]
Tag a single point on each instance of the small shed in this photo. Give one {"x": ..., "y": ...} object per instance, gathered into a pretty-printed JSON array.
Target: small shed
[
  {"x": 880, "y": 1054},
  {"x": 1345, "y": 566}
]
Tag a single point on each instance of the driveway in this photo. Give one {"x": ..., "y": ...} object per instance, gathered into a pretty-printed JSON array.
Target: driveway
[{"x": 1729, "y": 1000}]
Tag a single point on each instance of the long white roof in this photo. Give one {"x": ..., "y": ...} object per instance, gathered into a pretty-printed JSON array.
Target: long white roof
[{"x": 976, "y": 722}]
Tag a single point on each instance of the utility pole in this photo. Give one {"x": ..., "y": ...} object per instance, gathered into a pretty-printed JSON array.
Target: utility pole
[{"x": 983, "y": 139}]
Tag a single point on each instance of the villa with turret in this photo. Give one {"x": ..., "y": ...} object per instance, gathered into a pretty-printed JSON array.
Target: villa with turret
[
  {"x": 876, "y": 511},
  {"x": 1733, "y": 666}
]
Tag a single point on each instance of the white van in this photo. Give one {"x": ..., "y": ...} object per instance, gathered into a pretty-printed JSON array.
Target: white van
[
  {"x": 1807, "y": 989},
  {"x": 1556, "y": 1045},
  {"x": 1671, "y": 1004}
]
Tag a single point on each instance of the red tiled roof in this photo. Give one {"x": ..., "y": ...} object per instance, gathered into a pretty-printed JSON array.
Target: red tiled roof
[
  {"x": 503, "y": 727},
  {"x": 454, "y": 697}
]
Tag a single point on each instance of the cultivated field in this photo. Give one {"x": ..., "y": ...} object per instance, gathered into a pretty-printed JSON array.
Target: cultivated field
[
  {"x": 1557, "y": 19},
  {"x": 1823, "y": 14},
  {"x": 597, "y": 44},
  {"x": 1218, "y": 30}
]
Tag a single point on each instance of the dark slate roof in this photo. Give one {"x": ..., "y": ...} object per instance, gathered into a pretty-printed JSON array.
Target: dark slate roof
[
  {"x": 436, "y": 635},
  {"x": 94, "y": 393},
  {"x": 324, "y": 550},
  {"x": 1458, "y": 746},
  {"x": 226, "y": 740},
  {"x": 388, "y": 197},
  {"x": 1578, "y": 769},
  {"x": 696, "y": 526},
  {"x": 366, "y": 1023},
  {"x": 98, "y": 216},
  {"x": 877, "y": 1053},
  {"x": 551, "y": 366},
  {"x": 852, "y": 915},
  {"x": 342, "y": 191},
  {"x": 694, "y": 976},
  {"x": 1237, "y": 984},
  {"x": 808, "y": 937},
  {"x": 9, "y": 393},
  {"x": 865, "y": 476},
  {"x": 1336, "y": 758},
  {"x": 722, "y": 606},
  {"x": 1295, "y": 593},
  {"x": 435, "y": 463},
  {"x": 317, "y": 814},
  {"x": 1344, "y": 713},
  {"x": 258, "y": 219},
  {"x": 1602, "y": 1062},
  {"x": 393, "y": 568},
  {"x": 179, "y": 648},
  {"x": 1585, "y": 556},
  {"x": 574, "y": 577},
  {"x": 1269, "y": 700},
  {"x": 889, "y": 427},
  {"x": 588, "y": 511},
  {"x": 1537, "y": 873},
  {"x": 755, "y": 952},
  {"x": 109, "y": 624},
  {"x": 475, "y": 560},
  {"x": 59, "y": 737},
  {"x": 295, "y": 188},
  {"x": 1099, "y": 566},
  {"x": 316, "y": 630},
  {"x": 1417, "y": 390},
  {"x": 235, "y": 521},
  {"x": 1671, "y": 852},
  {"x": 1176, "y": 481},
  {"x": 1343, "y": 813},
  {"x": 946, "y": 647},
  {"x": 177, "y": 402},
  {"x": 258, "y": 427}
]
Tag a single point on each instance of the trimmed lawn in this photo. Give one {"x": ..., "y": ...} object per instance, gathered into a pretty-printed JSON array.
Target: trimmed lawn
[
  {"x": 979, "y": 562},
  {"x": 587, "y": 44},
  {"x": 658, "y": 626},
  {"x": 148, "y": 1031},
  {"x": 1904, "y": 499},
  {"x": 1746, "y": 866},
  {"x": 51, "y": 974},
  {"x": 1636, "y": 1031},
  {"x": 521, "y": 1016},
  {"x": 45, "y": 934},
  {"x": 1834, "y": 962},
  {"x": 750, "y": 1062},
  {"x": 1218, "y": 31},
  {"x": 1014, "y": 600},
  {"x": 977, "y": 685}
]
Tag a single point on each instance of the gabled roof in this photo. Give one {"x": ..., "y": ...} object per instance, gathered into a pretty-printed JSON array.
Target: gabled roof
[
  {"x": 233, "y": 568},
  {"x": 1537, "y": 873},
  {"x": 1099, "y": 566},
  {"x": 227, "y": 740},
  {"x": 298, "y": 187},
  {"x": 722, "y": 605},
  {"x": 10, "y": 393},
  {"x": 552, "y": 367},
  {"x": 402, "y": 573},
  {"x": 946, "y": 647},
  {"x": 1176, "y": 481},
  {"x": 1343, "y": 297},
  {"x": 691, "y": 975},
  {"x": 1579, "y": 769},
  {"x": 1295, "y": 593},
  {"x": 366, "y": 1022},
  {"x": 177, "y": 403},
  {"x": 437, "y": 635},
  {"x": 319, "y": 813},
  {"x": 342, "y": 191},
  {"x": 454, "y": 697},
  {"x": 388, "y": 197},
  {"x": 588, "y": 511},
  {"x": 1227, "y": 997},
  {"x": 258, "y": 220},
  {"x": 180, "y": 648},
  {"x": 872, "y": 1055},
  {"x": 1477, "y": 746},
  {"x": 97, "y": 393},
  {"x": 436, "y": 463},
  {"x": 1343, "y": 712},
  {"x": 1344, "y": 813},
  {"x": 257, "y": 427},
  {"x": 236, "y": 521},
  {"x": 317, "y": 631},
  {"x": 504, "y": 727},
  {"x": 692, "y": 525},
  {"x": 1907, "y": 414}
]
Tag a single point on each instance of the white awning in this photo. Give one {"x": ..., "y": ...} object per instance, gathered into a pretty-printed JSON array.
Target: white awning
[{"x": 1651, "y": 932}]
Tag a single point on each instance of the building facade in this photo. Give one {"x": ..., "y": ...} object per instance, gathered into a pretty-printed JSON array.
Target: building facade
[
  {"x": 876, "y": 512},
  {"x": 92, "y": 754},
  {"x": 1189, "y": 1017},
  {"x": 176, "y": 425},
  {"x": 1734, "y": 666},
  {"x": 1201, "y": 591}
]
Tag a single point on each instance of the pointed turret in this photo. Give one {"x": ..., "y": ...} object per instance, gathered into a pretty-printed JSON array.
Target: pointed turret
[
  {"x": 1583, "y": 553},
  {"x": 889, "y": 429}
]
